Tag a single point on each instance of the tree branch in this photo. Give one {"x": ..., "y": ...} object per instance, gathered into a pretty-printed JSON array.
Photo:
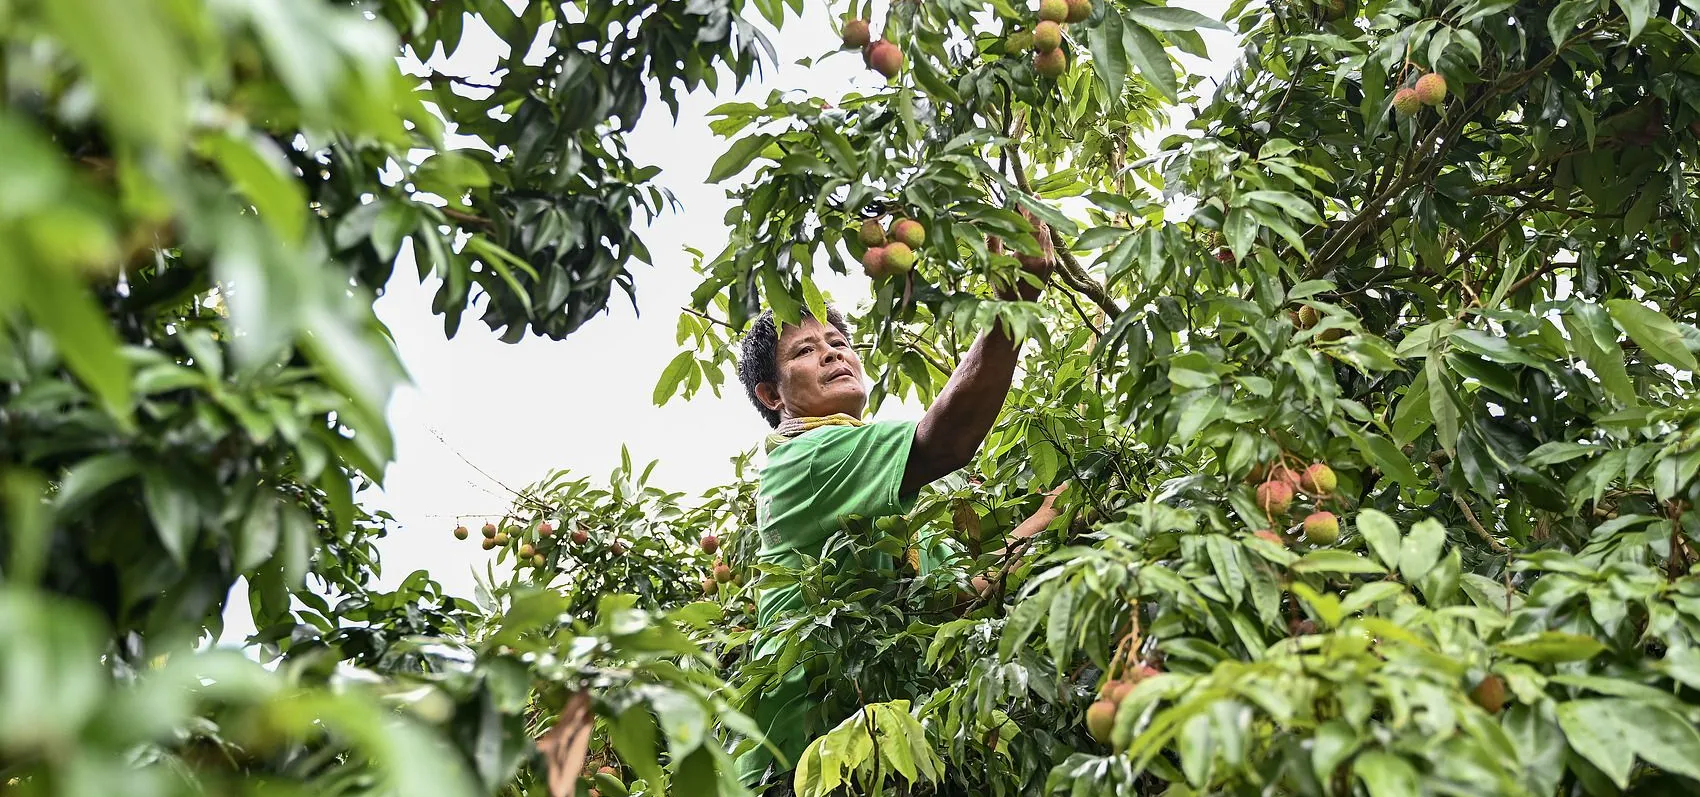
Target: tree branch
[{"x": 1068, "y": 268}]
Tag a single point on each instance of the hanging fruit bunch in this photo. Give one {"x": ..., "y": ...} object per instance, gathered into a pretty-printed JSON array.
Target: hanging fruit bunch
[
  {"x": 890, "y": 252},
  {"x": 1049, "y": 59},
  {"x": 1280, "y": 484},
  {"x": 881, "y": 55}
]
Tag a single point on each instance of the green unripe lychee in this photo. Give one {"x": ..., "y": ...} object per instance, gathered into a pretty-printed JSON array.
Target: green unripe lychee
[
  {"x": 1018, "y": 42},
  {"x": 1307, "y": 317},
  {"x": 1079, "y": 10},
  {"x": 1051, "y": 63},
  {"x": 1275, "y": 497},
  {"x": 1431, "y": 89},
  {"x": 1319, "y": 480},
  {"x": 856, "y": 35},
  {"x": 487, "y": 543},
  {"x": 461, "y": 533},
  {"x": 910, "y": 233},
  {"x": 1053, "y": 10},
  {"x": 885, "y": 58},
  {"x": 871, "y": 234},
  {"x": 1101, "y": 720},
  {"x": 710, "y": 587},
  {"x": 1322, "y": 528},
  {"x": 899, "y": 258},
  {"x": 537, "y": 560},
  {"x": 1406, "y": 102},
  {"x": 1047, "y": 36}
]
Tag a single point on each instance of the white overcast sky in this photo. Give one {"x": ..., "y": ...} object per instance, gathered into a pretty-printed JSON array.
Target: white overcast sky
[{"x": 520, "y": 410}]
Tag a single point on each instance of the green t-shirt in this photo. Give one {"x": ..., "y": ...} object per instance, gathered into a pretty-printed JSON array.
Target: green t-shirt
[{"x": 809, "y": 483}]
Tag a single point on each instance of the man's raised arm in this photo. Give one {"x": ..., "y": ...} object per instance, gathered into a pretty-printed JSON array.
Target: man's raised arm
[{"x": 959, "y": 420}]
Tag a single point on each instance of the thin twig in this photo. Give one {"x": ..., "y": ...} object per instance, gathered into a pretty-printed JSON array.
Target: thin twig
[
  {"x": 1475, "y": 524},
  {"x": 706, "y": 317}
]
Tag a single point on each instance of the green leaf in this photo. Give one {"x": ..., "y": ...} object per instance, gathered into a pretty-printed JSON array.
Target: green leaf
[
  {"x": 1420, "y": 549},
  {"x": 1153, "y": 63},
  {"x": 172, "y": 508},
  {"x": 1442, "y": 406},
  {"x": 90, "y": 477},
  {"x": 672, "y": 376},
  {"x": 1387, "y": 458},
  {"x": 138, "y": 71},
  {"x": 1170, "y": 18},
  {"x": 1638, "y": 12},
  {"x": 1329, "y": 560},
  {"x": 1381, "y": 533},
  {"x": 259, "y": 171},
  {"x": 80, "y": 331},
  {"x": 1386, "y": 775},
  {"x": 1654, "y": 331},
  {"x": 1550, "y": 647},
  {"x": 738, "y": 156}
]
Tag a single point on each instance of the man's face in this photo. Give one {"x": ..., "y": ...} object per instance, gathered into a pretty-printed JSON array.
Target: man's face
[{"x": 819, "y": 374}]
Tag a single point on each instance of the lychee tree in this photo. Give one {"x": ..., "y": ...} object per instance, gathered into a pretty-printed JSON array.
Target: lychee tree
[{"x": 1441, "y": 249}]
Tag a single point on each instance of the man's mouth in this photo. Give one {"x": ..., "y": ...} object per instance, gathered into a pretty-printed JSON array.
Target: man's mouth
[{"x": 840, "y": 374}]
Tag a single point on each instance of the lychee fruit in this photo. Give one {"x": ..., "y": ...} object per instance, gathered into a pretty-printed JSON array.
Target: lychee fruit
[
  {"x": 501, "y": 539},
  {"x": 710, "y": 543},
  {"x": 1079, "y": 10},
  {"x": 1047, "y": 36},
  {"x": 710, "y": 586},
  {"x": 910, "y": 233},
  {"x": 489, "y": 531},
  {"x": 1101, "y": 720},
  {"x": 1275, "y": 497},
  {"x": 1694, "y": 127},
  {"x": 1224, "y": 255},
  {"x": 1307, "y": 317},
  {"x": 461, "y": 533},
  {"x": 856, "y": 34},
  {"x": 580, "y": 536},
  {"x": 1053, "y": 10},
  {"x": 487, "y": 543},
  {"x": 873, "y": 262},
  {"x": 537, "y": 560},
  {"x": 617, "y": 548},
  {"x": 1271, "y": 536},
  {"x": 1333, "y": 10},
  {"x": 872, "y": 234},
  {"x": 885, "y": 58},
  {"x": 544, "y": 529},
  {"x": 899, "y": 258},
  {"x": 1051, "y": 63},
  {"x": 1142, "y": 672},
  {"x": 1406, "y": 102},
  {"x": 1431, "y": 89},
  {"x": 1331, "y": 334},
  {"x": 1490, "y": 694},
  {"x": 1319, "y": 480},
  {"x": 722, "y": 573},
  {"x": 526, "y": 551},
  {"x": 1322, "y": 528},
  {"x": 1114, "y": 691},
  {"x": 1018, "y": 42}
]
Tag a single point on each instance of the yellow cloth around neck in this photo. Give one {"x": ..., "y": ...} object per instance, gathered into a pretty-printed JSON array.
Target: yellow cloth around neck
[{"x": 792, "y": 427}]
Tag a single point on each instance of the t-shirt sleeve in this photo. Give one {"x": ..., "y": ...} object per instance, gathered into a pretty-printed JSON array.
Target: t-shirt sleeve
[{"x": 859, "y": 471}]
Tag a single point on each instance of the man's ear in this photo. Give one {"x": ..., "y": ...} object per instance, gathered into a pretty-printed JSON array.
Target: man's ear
[{"x": 768, "y": 394}]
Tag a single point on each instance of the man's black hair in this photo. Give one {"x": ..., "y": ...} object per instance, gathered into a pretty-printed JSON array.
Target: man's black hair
[{"x": 760, "y": 359}]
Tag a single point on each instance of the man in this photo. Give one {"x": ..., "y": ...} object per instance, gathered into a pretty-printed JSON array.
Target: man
[{"x": 825, "y": 463}]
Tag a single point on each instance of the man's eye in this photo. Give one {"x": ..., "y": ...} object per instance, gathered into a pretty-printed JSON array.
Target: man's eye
[{"x": 802, "y": 350}]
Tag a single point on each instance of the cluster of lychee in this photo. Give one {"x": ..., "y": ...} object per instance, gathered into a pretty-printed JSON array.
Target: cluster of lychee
[
  {"x": 721, "y": 573},
  {"x": 882, "y": 56},
  {"x": 534, "y": 552},
  {"x": 1430, "y": 90},
  {"x": 1101, "y": 715},
  {"x": 1281, "y": 484},
  {"x": 1048, "y": 56},
  {"x": 1306, "y": 317},
  {"x": 890, "y": 252}
]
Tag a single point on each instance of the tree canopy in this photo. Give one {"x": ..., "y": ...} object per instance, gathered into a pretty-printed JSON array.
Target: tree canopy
[{"x": 1372, "y": 383}]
